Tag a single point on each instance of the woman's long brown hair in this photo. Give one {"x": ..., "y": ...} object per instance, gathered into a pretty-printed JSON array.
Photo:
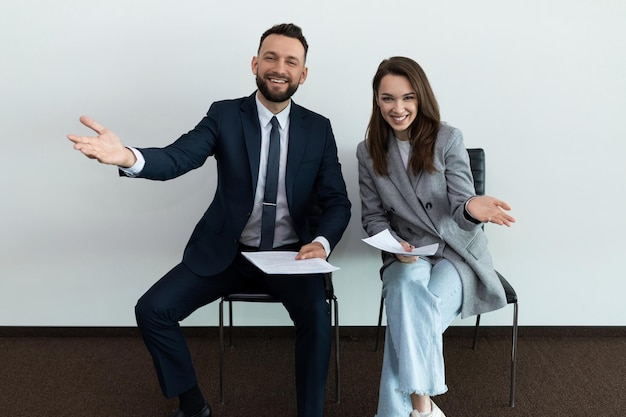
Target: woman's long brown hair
[{"x": 423, "y": 130}]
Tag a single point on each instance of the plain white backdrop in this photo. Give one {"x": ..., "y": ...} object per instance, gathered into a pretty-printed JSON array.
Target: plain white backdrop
[{"x": 538, "y": 84}]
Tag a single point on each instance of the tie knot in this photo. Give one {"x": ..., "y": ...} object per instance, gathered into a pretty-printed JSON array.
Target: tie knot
[{"x": 274, "y": 122}]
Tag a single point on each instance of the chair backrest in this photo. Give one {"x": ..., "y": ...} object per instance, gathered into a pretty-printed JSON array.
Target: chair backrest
[{"x": 477, "y": 163}]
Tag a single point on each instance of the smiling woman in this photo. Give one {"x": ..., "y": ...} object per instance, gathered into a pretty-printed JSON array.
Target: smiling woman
[{"x": 415, "y": 181}]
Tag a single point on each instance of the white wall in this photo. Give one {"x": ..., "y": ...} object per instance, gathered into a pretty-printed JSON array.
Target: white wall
[{"x": 539, "y": 84}]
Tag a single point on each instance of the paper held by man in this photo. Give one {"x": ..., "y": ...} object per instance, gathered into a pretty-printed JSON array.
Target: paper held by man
[
  {"x": 386, "y": 242},
  {"x": 284, "y": 262}
]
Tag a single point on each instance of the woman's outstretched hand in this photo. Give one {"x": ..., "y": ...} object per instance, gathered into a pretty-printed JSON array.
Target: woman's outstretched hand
[{"x": 490, "y": 210}]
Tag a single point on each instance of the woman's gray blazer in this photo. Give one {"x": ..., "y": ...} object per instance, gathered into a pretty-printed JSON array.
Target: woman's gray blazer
[{"x": 429, "y": 208}]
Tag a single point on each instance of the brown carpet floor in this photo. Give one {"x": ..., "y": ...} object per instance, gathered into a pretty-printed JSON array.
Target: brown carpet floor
[{"x": 109, "y": 373}]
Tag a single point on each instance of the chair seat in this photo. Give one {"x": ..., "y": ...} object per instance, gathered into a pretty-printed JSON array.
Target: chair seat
[{"x": 252, "y": 298}]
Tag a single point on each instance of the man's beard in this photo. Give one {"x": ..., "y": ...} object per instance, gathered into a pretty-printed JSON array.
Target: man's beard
[{"x": 262, "y": 84}]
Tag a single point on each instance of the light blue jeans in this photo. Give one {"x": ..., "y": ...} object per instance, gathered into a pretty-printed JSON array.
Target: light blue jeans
[{"x": 421, "y": 301}]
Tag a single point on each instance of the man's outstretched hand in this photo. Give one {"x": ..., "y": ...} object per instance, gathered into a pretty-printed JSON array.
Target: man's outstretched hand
[{"x": 107, "y": 147}]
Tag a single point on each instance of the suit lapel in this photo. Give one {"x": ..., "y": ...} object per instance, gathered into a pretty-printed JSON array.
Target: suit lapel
[
  {"x": 252, "y": 136},
  {"x": 298, "y": 139}
]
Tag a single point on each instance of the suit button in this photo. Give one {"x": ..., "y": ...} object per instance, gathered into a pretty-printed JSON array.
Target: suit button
[{"x": 429, "y": 206}]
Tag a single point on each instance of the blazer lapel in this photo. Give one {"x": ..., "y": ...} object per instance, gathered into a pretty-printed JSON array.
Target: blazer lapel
[
  {"x": 399, "y": 175},
  {"x": 406, "y": 183},
  {"x": 252, "y": 136}
]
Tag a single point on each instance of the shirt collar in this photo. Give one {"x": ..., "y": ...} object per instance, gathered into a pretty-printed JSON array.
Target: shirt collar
[{"x": 265, "y": 115}]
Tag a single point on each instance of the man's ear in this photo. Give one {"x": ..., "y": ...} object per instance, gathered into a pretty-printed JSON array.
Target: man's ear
[
  {"x": 304, "y": 74},
  {"x": 254, "y": 65}
]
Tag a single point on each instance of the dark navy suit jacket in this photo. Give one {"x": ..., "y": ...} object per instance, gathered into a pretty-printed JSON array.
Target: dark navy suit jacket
[{"x": 232, "y": 134}]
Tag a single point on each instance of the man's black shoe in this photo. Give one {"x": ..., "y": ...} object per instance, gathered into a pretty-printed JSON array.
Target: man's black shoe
[{"x": 205, "y": 412}]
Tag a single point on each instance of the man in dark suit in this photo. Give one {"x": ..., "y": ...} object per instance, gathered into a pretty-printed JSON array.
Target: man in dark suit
[{"x": 238, "y": 134}]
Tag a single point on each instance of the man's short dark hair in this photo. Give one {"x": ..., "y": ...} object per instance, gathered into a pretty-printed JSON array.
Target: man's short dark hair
[{"x": 286, "y": 29}]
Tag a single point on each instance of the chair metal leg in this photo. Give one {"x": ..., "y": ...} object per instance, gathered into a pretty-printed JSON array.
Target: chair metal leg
[
  {"x": 514, "y": 355},
  {"x": 337, "y": 373},
  {"x": 380, "y": 322},
  {"x": 513, "y": 350},
  {"x": 475, "y": 343},
  {"x": 230, "y": 323},
  {"x": 221, "y": 331}
]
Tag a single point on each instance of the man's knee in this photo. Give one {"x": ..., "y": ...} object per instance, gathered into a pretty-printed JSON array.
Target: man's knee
[
  {"x": 149, "y": 312},
  {"x": 142, "y": 311}
]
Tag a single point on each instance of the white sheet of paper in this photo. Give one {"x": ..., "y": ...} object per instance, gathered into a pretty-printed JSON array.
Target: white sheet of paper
[
  {"x": 282, "y": 262},
  {"x": 386, "y": 242}
]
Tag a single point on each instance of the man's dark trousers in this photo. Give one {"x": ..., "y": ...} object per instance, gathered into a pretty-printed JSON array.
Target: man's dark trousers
[{"x": 180, "y": 292}]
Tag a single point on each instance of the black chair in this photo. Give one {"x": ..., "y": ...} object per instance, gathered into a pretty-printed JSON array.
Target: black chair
[
  {"x": 314, "y": 217},
  {"x": 478, "y": 165}
]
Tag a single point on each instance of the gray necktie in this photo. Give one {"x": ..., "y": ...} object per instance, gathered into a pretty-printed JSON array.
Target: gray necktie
[{"x": 268, "y": 220}]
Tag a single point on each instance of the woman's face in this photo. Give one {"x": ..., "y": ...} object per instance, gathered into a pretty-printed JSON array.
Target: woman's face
[{"x": 398, "y": 103}]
